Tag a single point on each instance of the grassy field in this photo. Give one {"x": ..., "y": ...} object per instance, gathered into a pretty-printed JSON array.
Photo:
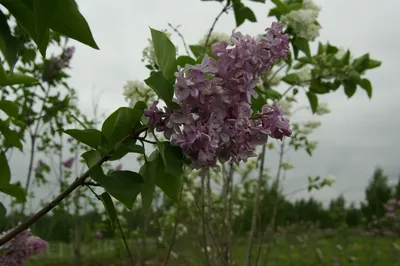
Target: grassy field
[{"x": 285, "y": 250}]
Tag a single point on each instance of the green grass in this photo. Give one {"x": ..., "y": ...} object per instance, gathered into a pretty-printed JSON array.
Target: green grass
[{"x": 285, "y": 250}]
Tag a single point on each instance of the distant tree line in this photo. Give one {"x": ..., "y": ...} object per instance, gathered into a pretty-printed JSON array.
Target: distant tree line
[{"x": 58, "y": 226}]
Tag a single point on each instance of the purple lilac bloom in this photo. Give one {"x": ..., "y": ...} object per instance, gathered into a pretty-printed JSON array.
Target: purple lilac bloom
[
  {"x": 216, "y": 122},
  {"x": 19, "y": 249},
  {"x": 38, "y": 166},
  {"x": 99, "y": 234},
  {"x": 68, "y": 163},
  {"x": 57, "y": 63},
  {"x": 118, "y": 167}
]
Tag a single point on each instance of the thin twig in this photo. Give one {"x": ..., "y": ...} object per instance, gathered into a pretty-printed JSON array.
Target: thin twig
[
  {"x": 91, "y": 183},
  {"x": 225, "y": 9},
  {"x": 175, "y": 227},
  {"x": 33, "y": 136},
  {"x": 181, "y": 36},
  {"x": 256, "y": 208},
  {"x": 125, "y": 242},
  {"x": 276, "y": 73},
  {"x": 208, "y": 228},
  {"x": 78, "y": 182},
  {"x": 203, "y": 221},
  {"x": 275, "y": 205},
  {"x": 210, "y": 209},
  {"x": 145, "y": 140}
]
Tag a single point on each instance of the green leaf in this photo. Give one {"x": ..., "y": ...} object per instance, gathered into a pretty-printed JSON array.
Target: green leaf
[
  {"x": 122, "y": 149},
  {"x": 321, "y": 48},
  {"x": 169, "y": 184},
  {"x": 366, "y": 85},
  {"x": 14, "y": 190},
  {"x": 172, "y": 157},
  {"x": 242, "y": 13},
  {"x": 373, "y": 64},
  {"x": 3, "y": 212},
  {"x": 9, "y": 107},
  {"x": 272, "y": 94},
  {"x": 302, "y": 45},
  {"x": 349, "y": 88},
  {"x": 313, "y": 99},
  {"x": 149, "y": 172},
  {"x": 120, "y": 124},
  {"x": 11, "y": 137},
  {"x": 3, "y": 75},
  {"x": 299, "y": 65},
  {"x": 140, "y": 105},
  {"x": 162, "y": 87},
  {"x": 197, "y": 50},
  {"x": 17, "y": 78},
  {"x": 330, "y": 49},
  {"x": 295, "y": 6},
  {"x": 281, "y": 6},
  {"x": 43, "y": 14},
  {"x": 319, "y": 87},
  {"x": 345, "y": 60},
  {"x": 91, "y": 158},
  {"x": 91, "y": 137},
  {"x": 360, "y": 64},
  {"x": 165, "y": 54},
  {"x": 292, "y": 79},
  {"x": 8, "y": 43},
  {"x": 5, "y": 173},
  {"x": 110, "y": 209},
  {"x": 67, "y": 20},
  {"x": 184, "y": 59},
  {"x": 122, "y": 185},
  {"x": 257, "y": 103},
  {"x": 275, "y": 12},
  {"x": 24, "y": 16}
]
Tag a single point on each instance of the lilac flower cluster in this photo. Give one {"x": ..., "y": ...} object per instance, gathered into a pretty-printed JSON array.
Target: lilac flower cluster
[
  {"x": 18, "y": 250},
  {"x": 392, "y": 215},
  {"x": 57, "y": 63},
  {"x": 216, "y": 122}
]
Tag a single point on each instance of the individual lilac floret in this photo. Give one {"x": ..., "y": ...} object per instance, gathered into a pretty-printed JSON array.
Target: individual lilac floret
[
  {"x": 215, "y": 121},
  {"x": 19, "y": 249},
  {"x": 68, "y": 163}
]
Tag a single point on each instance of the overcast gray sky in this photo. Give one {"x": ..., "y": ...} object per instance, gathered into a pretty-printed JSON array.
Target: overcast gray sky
[{"x": 357, "y": 136}]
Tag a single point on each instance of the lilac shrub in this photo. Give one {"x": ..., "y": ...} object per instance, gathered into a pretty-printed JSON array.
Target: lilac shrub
[
  {"x": 215, "y": 121},
  {"x": 391, "y": 220},
  {"x": 18, "y": 250}
]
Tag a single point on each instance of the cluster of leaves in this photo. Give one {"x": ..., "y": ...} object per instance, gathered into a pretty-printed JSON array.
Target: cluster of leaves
[
  {"x": 38, "y": 19},
  {"x": 31, "y": 106},
  {"x": 119, "y": 136}
]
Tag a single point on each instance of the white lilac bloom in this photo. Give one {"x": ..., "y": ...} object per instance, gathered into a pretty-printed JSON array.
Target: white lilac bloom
[
  {"x": 303, "y": 21},
  {"x": 215, "y": 37},
  {"x": 304, "y": 74},
  {"x": 137, "y": 90}
]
